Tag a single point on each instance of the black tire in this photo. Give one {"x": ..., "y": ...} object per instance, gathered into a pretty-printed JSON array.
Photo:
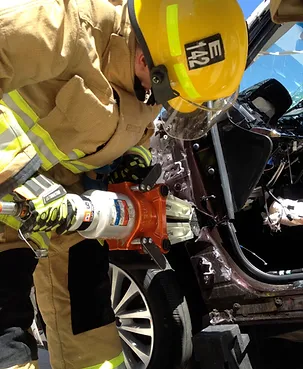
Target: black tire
[{"x": 171, "y": 319}]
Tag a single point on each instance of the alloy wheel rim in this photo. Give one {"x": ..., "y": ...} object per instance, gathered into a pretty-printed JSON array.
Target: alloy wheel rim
[{"x": 133, "y": 318}]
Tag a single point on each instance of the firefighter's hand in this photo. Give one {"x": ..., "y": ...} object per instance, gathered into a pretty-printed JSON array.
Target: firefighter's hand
[
  {"x": 48, "y": 205},
  {"x": 134, "y": 166}
]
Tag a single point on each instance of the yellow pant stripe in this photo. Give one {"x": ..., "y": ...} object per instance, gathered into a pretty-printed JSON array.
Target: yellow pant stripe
[{"x": 116, "y": 363}]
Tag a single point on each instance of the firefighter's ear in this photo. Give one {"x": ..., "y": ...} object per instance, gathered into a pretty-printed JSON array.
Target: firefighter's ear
[{"x": 141, "y": 68}]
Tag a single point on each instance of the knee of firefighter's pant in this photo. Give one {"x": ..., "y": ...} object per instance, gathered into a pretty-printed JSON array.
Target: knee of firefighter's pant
[{"x": 18, "y": 157}]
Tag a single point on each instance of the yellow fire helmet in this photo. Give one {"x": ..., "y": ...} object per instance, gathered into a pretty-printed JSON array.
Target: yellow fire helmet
[{"x": 196, "y": 51}]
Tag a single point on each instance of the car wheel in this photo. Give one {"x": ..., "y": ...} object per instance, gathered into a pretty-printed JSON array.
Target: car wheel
[{"x": 152, "y": 318}]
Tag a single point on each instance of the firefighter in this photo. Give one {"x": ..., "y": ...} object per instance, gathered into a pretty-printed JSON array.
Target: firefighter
[{"x": 81, "y": 81}]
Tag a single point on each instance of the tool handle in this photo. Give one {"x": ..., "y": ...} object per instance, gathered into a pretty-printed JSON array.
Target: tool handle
[{"x": 9, "y": 208}]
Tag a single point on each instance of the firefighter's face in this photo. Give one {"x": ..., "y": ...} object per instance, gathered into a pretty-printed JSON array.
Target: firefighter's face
[{"x": 141, "y": 69}]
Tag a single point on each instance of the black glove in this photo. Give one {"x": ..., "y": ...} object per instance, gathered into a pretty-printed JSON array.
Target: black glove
[{"x": 132, "y": 168}]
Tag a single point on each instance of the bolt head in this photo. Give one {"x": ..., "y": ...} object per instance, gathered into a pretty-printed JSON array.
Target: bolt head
[
  {"x": 207, "y": 279},
  {"x": 211, "y": 171},
  {"x": 236, "y": 306},
  {"x": 156, "y": 80},
  {"x": 278, "y": 301},
  {"x": 177, "y": 187}
]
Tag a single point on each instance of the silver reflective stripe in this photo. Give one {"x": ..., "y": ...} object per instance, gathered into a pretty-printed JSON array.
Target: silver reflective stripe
[
  {"x": 12, "y": 105},
  {"x": 43, "y": 148},
  {"x": 73, "y": 156},
  {"x": 45, "y": 238},
  {"x": 6, "y": 138},
  {"x": 41, "y": 239},
  {"x": 42, "y": 145},
  {"x": 77, "y": 168},
  {"x": 44, "y": 181},
  {"x": 80, "y": 167}
]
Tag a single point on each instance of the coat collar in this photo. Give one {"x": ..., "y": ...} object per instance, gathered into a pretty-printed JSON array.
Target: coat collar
[{"x": 119, "y": 57}]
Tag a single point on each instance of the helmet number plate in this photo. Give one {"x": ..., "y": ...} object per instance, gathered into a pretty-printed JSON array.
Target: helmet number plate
[{"x": 205, "y": 52}]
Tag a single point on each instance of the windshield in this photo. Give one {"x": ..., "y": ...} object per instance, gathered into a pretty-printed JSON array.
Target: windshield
[
  {"x": 248, "y": 6},
  {"x": 286, "y": 68}
]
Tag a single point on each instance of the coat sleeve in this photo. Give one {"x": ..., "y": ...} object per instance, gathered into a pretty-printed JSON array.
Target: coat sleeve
[
  {"x": 37, "y": 41},
  {"x": 117, "y": 2}
]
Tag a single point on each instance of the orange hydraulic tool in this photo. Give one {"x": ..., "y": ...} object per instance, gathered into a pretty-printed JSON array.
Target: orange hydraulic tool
[
  {"x": 143, "y": 217},
  {"x": 150, "y": 218}
]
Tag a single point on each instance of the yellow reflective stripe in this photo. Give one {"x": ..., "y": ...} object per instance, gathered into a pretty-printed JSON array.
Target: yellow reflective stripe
[
  {"x": 185, "y": 81},
  {"x": 143, "y": 152},
  {"x": 45, "y": 162},
  {"x": 53, "y": 153},
  {"x": 10, "y": 221},
  {"x": 5, "y": 123},
  {"x": 77, "y": 154},
  {"x": 147, "y": 152},
  {"x": 78, "y": 166},
  {"x": 7, "y": 219},
  {"x": 116, "y": 363},
  {"x": 14, "y": 105},
  {"x": 101, "y": 242},
  {"x": 9, "y": 146},
  {"x": 46, "y": 148},
  {"x": 42, "y": 239},
  {"x": 40, "y": 138},
  {"x": 71, "y": 167},
  {"x": 7, "y": 135},
  {"x": 172, "y": 26},
  {"x": 8, "y": 122},
  {"x": 23, "y": 106},
  {"x": 48, "y": 159},
  {"x": 18, "y": 118},
  {"x": 3, "y": 128},
  {"x": 13, "y": 145}
]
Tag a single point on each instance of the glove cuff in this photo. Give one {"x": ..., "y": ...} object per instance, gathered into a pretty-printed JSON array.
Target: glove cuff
[
  {"x": 142, "y": 152},
  {"x": 40, "y": 187}
]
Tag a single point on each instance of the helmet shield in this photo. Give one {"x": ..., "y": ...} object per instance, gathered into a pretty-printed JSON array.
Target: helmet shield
[{"x": 193, "y": 125}]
